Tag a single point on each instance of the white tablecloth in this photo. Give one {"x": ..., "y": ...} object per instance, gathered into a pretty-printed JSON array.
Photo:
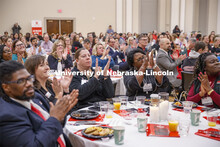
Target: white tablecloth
[{"x": 135, "y": 139}]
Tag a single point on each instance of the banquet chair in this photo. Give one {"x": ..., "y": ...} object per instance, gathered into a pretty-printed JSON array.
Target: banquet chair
[{"x": 187, "y": 78}]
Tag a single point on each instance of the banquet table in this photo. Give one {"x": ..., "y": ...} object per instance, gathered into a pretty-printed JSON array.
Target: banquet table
[{"x": 133, "y": 138}]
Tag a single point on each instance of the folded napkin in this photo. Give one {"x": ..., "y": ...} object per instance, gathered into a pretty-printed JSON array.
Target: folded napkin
[
  {"x": 100, "y": 118},
  {"x": 206, "y": 133}
]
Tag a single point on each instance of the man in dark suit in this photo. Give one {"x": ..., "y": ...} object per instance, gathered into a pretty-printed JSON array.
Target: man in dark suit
[
  {"x": 24, "y": 121},
  {"x": 166, "y": 63}
]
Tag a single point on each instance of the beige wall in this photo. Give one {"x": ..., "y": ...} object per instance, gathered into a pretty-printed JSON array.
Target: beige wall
[
  {"x": 90, "y": 15},
  {"x": 212, "y": 15}
]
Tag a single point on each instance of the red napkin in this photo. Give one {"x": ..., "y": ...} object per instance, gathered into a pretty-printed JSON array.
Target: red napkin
[
  {"x": 100, "y": 118},
  {"x": 122, "y": 113},
  {"x": 160, "y": 131},
  {"x": 208, "y": 136},
  {"x": 218, "y": 120},
  {"x": 181, "y": 110}
]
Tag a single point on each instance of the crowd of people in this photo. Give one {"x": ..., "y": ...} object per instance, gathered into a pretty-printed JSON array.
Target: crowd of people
[{"x": 26, "y": 88}]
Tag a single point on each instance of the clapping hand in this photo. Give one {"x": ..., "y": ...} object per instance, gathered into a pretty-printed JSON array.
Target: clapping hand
[
  {"x": 97, "y": 69},
  {"x": 107, "y": 66},
  {"x": 205, "y": 84},
  {"x": 63, "y": 105},
  {"x": 66, "y": 80},
  {"x": 57, "y": 88},
  {"x": 64, "y": 55}
]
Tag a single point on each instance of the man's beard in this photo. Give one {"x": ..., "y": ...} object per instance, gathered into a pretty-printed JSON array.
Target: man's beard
[{"x": 25, "y": 97}]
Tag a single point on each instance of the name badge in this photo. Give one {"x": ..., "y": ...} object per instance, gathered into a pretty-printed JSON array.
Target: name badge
[
  {"x": 147, "y": 87},
  {"x": 83, "y": 81},
  {"x": 48, "y": 94},
  {"x": 207, "y": 101}
]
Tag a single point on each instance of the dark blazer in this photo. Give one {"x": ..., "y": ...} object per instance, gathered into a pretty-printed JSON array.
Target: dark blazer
[
  {"x": 92, "y": 91},
  {"x": 20, "y": 126},
  {"x": 115, "y": 55},
  {"x": 53, "y": 62}
]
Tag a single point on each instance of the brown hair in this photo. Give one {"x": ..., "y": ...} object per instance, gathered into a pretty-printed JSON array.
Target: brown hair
[
  {"x": 31, "y": 65},
  {"x": 13, "y": 48}
]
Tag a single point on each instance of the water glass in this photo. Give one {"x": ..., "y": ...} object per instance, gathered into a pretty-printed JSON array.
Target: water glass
[
  {"x": 124, "y": 101},
  {"x": 184, "y": 126},
  {"x": 187, "y": 106},
  {"x": 212, "y": 117},
  {"x": 140, "y": 101},
  {"x": 155, "y": 99},
  {"x": 103, "y": 106},
  {"x": 164, "y": 96}
]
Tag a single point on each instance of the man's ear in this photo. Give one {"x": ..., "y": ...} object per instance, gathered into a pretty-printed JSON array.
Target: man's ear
[{"x": 6, "y": 88}]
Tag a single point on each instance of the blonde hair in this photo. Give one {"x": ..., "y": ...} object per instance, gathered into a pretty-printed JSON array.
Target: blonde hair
[
  {"x": 54, "y": 52},
  {"x": 94, "y": 49},
  {"x": 129, "y": 40}
]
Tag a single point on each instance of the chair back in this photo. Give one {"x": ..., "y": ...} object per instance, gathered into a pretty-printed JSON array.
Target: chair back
[{"x": 187, "y": 78}]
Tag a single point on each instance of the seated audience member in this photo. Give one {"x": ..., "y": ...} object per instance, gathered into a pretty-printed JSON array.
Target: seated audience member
[
  {"x": 115, "y": 53},
  {"x": 143, "y": 84},
  {"x": 59, "y": 54},
  {"x": 8, "y": 43},
  {"x": 167, "y": 64},
  {"x": 205, "y": 88},
  {"x": 87, "y": 45},
  {"x": 37, "y": 65},
  {"x": 68, "y": 45},
  {"x": 76, "y": 43},
  {"x": 92, "y": 88},
  {"x": 216, "y": 46},
  {"x": 47, "y": 44},
  {"x": 205, "y": 39},
  {"x": 34, "y": 49},
  {"x": 102, "y": 55},
  {"x": 189, "y": 62},
  {"x": 143, "y": 42},
  {"x": 130, "y": 46},
  {"x": 5, "y": 53},
  {"x": 19, "y": 52},
  {"x": 24, "y": 119},
  {"x": 157, "y": 45}
]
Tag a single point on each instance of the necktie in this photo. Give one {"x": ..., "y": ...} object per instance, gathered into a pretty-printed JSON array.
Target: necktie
[{"x": 35, "y": 110}]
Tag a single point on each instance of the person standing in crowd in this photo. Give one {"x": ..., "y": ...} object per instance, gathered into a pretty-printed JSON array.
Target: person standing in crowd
[
  {"x": 176, "y": 30},
  {"x": 142, "y": 84},
  {"x": 5, "y": 53},
  {"x": 206, "y": 81},
  {"x": 19, "y": 52},
  {"x": 101, "y": 54},
  {"x": 47, "y": 44},
  {"x": 24, "y": 119},
  {"x": 166, "y": 63},
  {"x": 110, "y": 30},
  {"x": 16, "y": 28},
  {"x": 34, "y": 49},
  {"x": 59, "y": 54},
  {"x": 92, "y": 88}
]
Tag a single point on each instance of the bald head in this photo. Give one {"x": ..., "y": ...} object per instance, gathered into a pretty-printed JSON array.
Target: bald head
[{"x": 165, "y": 44}]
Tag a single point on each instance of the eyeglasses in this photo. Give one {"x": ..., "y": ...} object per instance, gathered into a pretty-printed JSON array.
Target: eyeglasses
[
  {"x": 22, "y": 81},
  {"x": 7, "y": 51},
  {"x": 140, "y": 59},
  {"x": 144, "y": 39},
  {"x": 19, "y": 45},
  {"x": 59, "y": 45}
]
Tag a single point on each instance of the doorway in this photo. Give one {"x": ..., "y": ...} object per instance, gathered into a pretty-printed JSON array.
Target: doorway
[{"x": 60, "y": 26}]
